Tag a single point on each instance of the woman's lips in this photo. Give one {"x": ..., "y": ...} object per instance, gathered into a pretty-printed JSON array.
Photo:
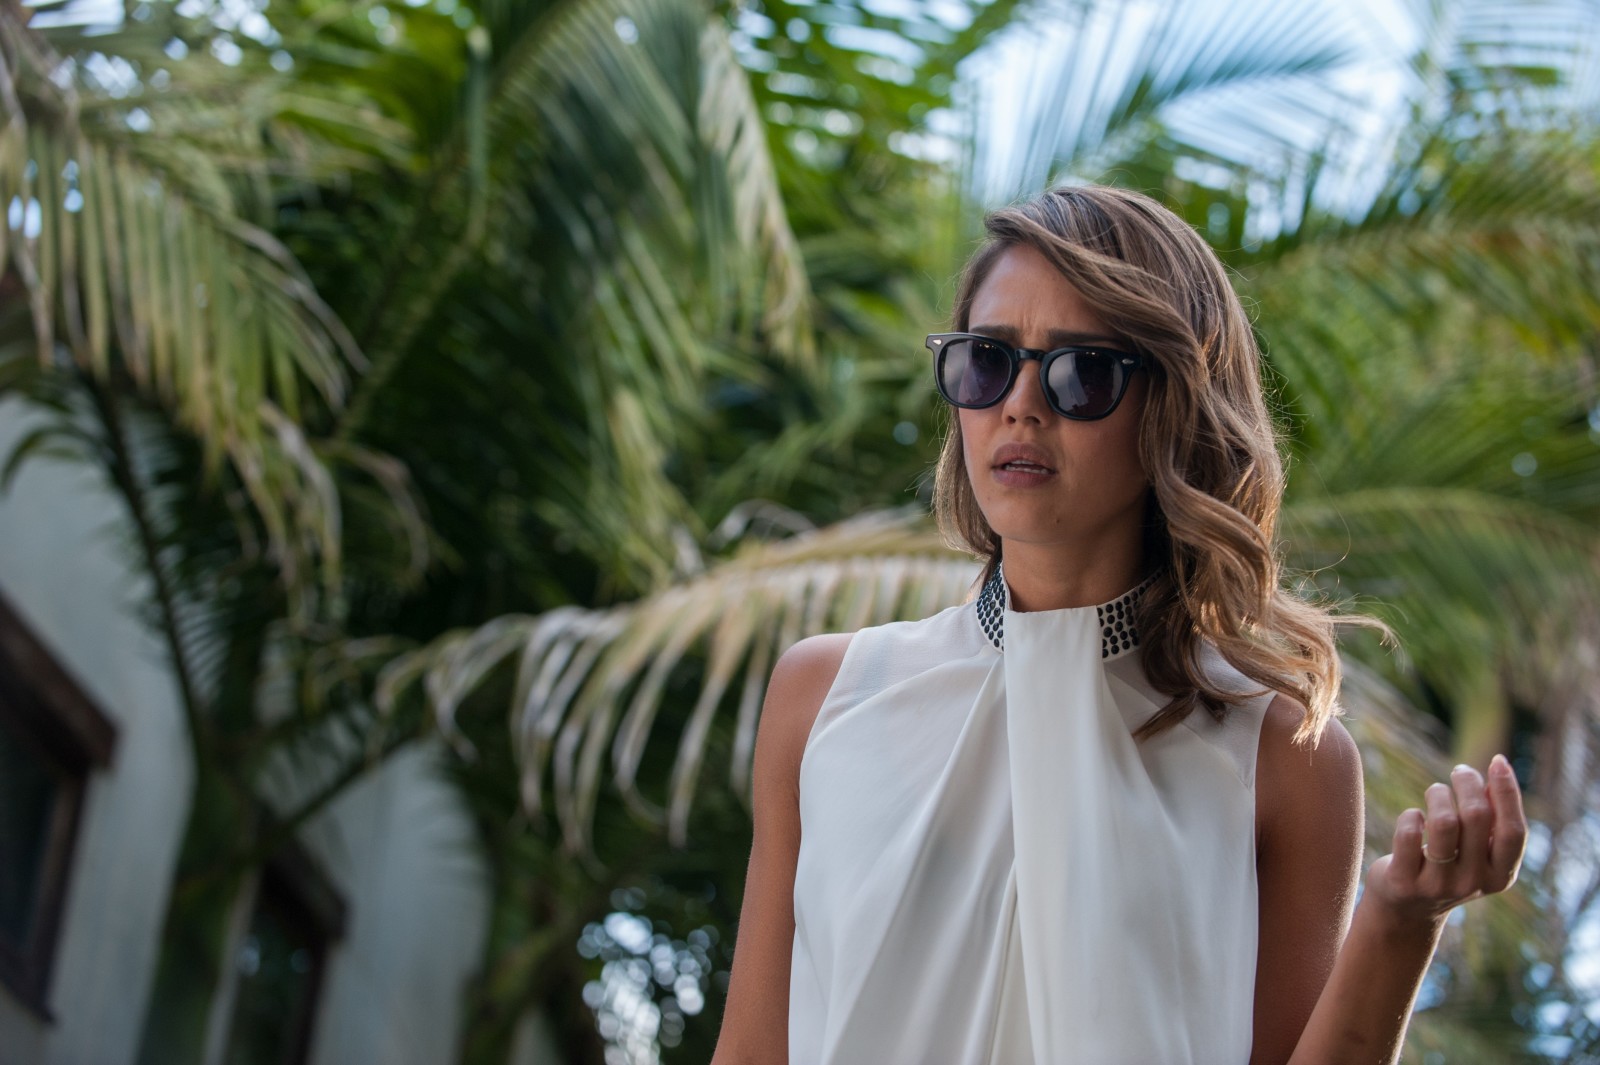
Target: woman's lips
[{"x": 1022, "y": 474}]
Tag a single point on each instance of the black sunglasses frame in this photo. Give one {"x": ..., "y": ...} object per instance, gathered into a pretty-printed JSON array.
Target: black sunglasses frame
[{"x": 937, "y": 343}]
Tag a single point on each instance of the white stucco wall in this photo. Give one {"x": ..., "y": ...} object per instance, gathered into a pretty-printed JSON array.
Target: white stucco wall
[
  {"x": 397, "y": 845},
  {"x": 62, "y": 571},
  {"x": 401, "y": 851}
]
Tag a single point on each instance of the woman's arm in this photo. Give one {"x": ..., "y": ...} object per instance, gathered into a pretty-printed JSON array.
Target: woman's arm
[
  {"x": 1311, "y": 819},
  {"x": 755, "y": 1022},
  {"x": 1360, "y": 1014},
  {"x": 1363, "y": 1012}
]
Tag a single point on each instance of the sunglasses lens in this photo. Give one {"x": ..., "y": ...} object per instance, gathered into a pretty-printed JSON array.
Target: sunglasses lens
[
  {"x": 973, "y": 373},
  {"x": 1085, "y": 384}
]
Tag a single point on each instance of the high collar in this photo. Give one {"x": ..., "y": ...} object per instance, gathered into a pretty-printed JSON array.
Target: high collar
[{"x": 1117, "y": 633}]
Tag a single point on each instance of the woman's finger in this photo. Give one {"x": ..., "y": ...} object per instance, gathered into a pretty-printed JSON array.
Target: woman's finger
[
  {"x": 1510, "y": 832},
  {"x": 1406, "y": 859},
  {"x": 1476, "y": 818},
  {"x": 1443, "y": 830}
]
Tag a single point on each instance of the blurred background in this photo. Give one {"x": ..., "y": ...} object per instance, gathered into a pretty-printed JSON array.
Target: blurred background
[{"x": 422, "y": 424}]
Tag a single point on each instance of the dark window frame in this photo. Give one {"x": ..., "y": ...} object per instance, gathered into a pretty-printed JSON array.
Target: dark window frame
[
  {"x": 52, "y": 714},
  {"x": 292, "y": 883}
]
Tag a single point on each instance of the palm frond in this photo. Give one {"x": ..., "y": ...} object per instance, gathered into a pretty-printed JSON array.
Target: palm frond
[
  {"x": 733, "y": 133},
  {"x": 1233, "y": 84},
  {"x": 1465, "y": 578},
  {"x": 634, "y": 203},
  {"x": 137, "y": 264},
  {"x": 624, "y": 139},
  {"x": 154, "y": 260},
  {"x": 1466, "y": 409},
  {"x": 1465, "y": 236},
  {"x": 586, "y": 678}
]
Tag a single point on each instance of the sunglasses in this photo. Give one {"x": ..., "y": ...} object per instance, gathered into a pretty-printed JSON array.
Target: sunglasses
[{"x": 1081, "y": 382}]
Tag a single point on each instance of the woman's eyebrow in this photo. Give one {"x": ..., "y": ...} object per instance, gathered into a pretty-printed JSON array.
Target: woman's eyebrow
[{"x": 1055, "y": 337}]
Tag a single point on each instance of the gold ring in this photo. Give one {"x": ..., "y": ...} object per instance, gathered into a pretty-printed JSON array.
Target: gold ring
[{"x": 1441, "y": 861}]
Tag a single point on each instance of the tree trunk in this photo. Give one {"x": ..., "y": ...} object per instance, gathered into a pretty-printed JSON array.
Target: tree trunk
[{"x": 194, "y": 936}]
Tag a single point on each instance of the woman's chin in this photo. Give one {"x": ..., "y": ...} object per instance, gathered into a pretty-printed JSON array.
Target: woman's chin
[{"x": 1032, "y": 527}]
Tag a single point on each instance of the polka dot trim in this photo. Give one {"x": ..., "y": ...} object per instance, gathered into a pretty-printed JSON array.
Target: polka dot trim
[{"x": 1118, "y": 634}]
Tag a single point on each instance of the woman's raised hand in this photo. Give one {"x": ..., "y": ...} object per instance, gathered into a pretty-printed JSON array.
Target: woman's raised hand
[{"x": 1467, "y": 844}]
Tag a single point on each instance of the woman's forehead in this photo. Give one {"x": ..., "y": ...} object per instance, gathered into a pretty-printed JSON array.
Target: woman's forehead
[{"x": 1024, "y": 294}]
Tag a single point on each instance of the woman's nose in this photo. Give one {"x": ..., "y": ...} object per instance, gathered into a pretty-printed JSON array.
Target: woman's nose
[{"x": 1026, "y": 399}]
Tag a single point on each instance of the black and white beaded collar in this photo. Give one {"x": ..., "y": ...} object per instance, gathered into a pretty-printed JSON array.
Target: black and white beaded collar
[{"x": 1117, "y": 632}]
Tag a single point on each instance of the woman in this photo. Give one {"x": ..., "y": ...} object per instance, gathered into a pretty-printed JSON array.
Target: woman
[{"x": 1104, "y": 813}]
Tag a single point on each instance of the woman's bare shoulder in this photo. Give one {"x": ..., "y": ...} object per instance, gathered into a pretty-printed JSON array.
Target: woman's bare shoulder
[
  {"x": 1297, "y": 780},
  {"x": 800, "y": 682},
  {"x": 815, "y": 654}
]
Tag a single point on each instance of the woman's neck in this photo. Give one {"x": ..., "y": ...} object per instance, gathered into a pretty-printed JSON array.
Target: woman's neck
[{"x": 1053, "y": 577}]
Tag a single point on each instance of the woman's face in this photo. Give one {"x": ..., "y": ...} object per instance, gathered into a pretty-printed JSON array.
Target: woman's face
[{"x": 1094, "y": 484}]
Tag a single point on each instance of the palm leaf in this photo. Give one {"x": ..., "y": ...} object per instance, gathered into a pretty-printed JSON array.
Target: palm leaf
[
  {"x": 635, "y": 204},
  {"x": 135, "y": 259},
  {"x": 1232, "y": 85},
  {"x": 578, "y": 670},
  {"x": 634, "y": 156},
  {"x": 1464, "y": 577}
]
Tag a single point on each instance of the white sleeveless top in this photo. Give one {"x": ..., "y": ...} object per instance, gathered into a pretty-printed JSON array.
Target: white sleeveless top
[{"x": 992, "y": 871}]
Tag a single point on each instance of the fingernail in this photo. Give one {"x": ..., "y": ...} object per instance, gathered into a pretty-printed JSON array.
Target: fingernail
[
  {"x": 1462, "y": 766},
  {"x": 1499, "y": 764}
]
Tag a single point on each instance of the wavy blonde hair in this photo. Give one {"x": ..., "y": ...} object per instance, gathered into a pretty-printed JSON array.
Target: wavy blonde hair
[{"x": 1206, "y": 440}]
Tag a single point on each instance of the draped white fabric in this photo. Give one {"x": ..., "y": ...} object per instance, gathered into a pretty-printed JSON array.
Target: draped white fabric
[{"x": 991, "y": 870}]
